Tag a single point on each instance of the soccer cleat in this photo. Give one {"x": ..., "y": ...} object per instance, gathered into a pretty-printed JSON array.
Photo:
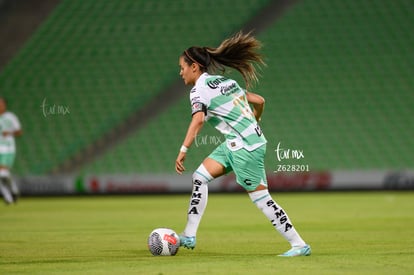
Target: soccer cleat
[
  {"x": 187, "y": 242},
  {"x": 297, "y": 251}
]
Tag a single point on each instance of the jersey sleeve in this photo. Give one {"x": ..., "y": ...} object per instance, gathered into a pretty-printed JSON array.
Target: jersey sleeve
[{"x": 198, "y": 102}]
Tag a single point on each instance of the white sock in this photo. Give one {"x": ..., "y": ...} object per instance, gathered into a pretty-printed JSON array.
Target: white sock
[
  {"x": 277, "y": 216},
  {"x": 198, "y": 200}
]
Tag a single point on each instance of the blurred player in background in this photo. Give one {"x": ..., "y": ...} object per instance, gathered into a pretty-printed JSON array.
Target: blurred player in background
[
  {"x": 223, "y": 103},
  {"x": 9, "y": 129}
]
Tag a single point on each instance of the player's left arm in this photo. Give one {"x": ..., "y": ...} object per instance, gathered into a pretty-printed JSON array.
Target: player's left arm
[
  {"x": 17, "y": 127},
  {"x": 16, "y": 133},
  {"x": 258, "y": 102}
]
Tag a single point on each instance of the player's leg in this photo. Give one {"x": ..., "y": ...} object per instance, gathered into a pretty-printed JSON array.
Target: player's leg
[
  {"x": 14, "y": 189},
  {"x": 206, "y": 172},
  {"x": 280, "y": 221},
  {"x": 8, "y": 181},
  {"x": 8, "y": 188},
  {"x": 6, "y": 192},
  {"x": 5, "y": 187},
  {"x": 250, "y": 173}
]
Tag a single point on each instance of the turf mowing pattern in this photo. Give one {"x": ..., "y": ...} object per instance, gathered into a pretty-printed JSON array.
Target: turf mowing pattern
[{"x": 350, "y": 233}]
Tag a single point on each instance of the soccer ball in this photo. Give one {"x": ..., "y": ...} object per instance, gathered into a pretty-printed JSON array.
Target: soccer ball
[{"x": 163, "y": 242}]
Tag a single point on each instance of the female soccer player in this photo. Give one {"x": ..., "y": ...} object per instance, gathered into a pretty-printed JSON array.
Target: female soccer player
[
  {"x": 9, "y": 128},
  {"x": 222, "y": 102}
]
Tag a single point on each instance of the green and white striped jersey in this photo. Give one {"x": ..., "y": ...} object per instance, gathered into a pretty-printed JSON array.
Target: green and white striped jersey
[
  {"x": 225, "y": 105},
  {"x": 8, "y": 123}
]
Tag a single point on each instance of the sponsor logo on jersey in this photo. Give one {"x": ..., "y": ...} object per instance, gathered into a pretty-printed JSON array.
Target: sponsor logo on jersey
[
  {"x": 214, "y": 83},
  {"x": 229, "y": 89}
]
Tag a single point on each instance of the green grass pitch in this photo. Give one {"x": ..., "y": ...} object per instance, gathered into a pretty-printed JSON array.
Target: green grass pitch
[{"x": 350, "y": 233}]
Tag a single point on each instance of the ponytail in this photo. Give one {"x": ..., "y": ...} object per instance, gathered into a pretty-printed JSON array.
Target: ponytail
[{"x": 239, "y": 52}]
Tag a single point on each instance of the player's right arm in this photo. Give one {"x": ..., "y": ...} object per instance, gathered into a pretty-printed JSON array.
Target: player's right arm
[{"x": 194, "y": 128}]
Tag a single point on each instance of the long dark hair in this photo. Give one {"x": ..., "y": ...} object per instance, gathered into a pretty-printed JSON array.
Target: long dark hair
[{"x": 239, "y": 52}]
